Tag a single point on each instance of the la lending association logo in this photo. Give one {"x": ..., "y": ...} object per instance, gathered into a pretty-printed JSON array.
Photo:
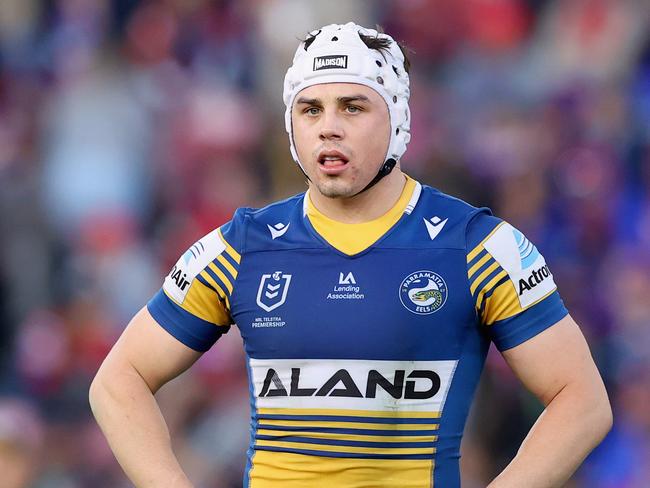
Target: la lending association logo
[{"x": 423, "y": 292}]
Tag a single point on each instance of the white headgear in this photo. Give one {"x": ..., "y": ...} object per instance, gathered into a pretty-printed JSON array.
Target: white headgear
[{"x": 338, "y": 55}]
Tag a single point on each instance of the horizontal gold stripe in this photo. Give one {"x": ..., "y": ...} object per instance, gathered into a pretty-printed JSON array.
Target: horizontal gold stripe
[
  {"x": 352, "y": 449},
  {"x": 347, "y": 413},
  {"x": 270, "y": 468},
  {"x": 350, "y": 437},
  {"x": 346, "y": 425},
  {"x": 478, "y": 248}
]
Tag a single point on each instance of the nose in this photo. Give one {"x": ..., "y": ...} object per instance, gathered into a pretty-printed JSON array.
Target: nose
[{"x": 331, "y": 128}]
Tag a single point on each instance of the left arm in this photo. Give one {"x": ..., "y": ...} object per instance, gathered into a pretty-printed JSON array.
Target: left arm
[{"x": 557, "y": 367}]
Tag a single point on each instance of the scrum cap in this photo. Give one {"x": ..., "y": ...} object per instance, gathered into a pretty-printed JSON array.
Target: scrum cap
[{"x": 338, "y": 55}]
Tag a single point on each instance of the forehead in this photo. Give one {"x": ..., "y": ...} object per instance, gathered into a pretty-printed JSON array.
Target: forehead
[{"x": 331, "y": 92}]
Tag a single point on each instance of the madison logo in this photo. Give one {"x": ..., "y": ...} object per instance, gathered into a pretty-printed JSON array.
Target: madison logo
[
  {"x": 330, "y": 62},
  {"x": 423, "y": 292},
  {"x": 273, "y": 290}
]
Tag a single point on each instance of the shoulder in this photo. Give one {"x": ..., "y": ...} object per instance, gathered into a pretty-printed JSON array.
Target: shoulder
[
  {"x": 252, "y": 229},
  {"x": 281, "y": 209},
  {"x": 462, "y": 212},
  {"x": 445, "y": 201},
  {"x": 441, "y": 220}
]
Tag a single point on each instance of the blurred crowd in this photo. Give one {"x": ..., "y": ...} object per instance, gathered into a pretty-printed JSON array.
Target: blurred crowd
[{"x": 129, "y": 129}]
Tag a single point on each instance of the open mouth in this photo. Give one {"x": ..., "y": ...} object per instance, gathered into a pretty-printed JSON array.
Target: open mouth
[{"x": 332, "y": 159}]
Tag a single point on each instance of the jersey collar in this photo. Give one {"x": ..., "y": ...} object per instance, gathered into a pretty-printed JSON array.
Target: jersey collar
[{"x": 355, "y": 238}]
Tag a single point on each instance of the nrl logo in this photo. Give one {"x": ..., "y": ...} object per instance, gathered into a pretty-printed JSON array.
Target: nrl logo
[
  {"x": 273, "y": 290},
  {"x": 330, "y": 62}
]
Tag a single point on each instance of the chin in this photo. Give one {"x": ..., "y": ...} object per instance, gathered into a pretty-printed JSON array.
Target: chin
[{"x": 334, "y": 189}]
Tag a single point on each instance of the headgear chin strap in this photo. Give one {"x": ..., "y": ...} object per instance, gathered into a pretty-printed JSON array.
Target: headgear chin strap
[{"x": 338, "y": 55}]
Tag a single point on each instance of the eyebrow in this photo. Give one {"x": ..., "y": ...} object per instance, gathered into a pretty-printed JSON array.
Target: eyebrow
[{"x": 318, "y": 101}]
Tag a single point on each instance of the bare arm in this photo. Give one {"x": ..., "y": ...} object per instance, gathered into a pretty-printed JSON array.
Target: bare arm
[
  {"x": 557, "y": 367},
  {"x": 122, "y": 400}
]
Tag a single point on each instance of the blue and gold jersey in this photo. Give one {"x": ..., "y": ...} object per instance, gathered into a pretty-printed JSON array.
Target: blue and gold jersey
[{"x": 364, "y": 342}]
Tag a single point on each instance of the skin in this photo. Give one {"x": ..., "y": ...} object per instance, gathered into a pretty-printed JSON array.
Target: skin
[
  {"x": 352, "y": 119},
  {"x": 122, "y": 400},
  {"x": 555, "y": 365}
]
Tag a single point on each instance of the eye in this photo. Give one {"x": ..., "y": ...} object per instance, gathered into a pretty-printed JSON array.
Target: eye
[
  {"x": 353, "y": 109},
  {"x": 312, "y": 111}
]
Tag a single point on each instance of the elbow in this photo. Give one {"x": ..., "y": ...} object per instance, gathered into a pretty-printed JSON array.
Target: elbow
[
  {"x": 602, "y": 418},
  {"x": 100, "y": 390},
  {"x": 95, "y": 393},
  {"x": 607, "y": 417}
]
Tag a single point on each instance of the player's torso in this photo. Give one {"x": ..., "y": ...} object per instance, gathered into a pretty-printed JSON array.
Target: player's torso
[
  {"x": 387, "y": 304},
  {"x": 352, "y": 358}
]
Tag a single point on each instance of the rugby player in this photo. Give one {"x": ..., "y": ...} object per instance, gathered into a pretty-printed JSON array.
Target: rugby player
[{"x": 366, "y": 306}]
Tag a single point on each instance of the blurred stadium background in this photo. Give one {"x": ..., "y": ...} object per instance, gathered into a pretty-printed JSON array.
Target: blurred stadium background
[{"x": 129, "y": 129}]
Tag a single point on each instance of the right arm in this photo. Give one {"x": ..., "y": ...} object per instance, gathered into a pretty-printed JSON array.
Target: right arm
[
  {"x": 122, "y": 399},
  {"x": 165, "y": 338}
]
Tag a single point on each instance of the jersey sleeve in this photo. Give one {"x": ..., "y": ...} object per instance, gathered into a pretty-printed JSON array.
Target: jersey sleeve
[
  {"x": 511, "y": 285},
  {"x": 193, "y": 304}
]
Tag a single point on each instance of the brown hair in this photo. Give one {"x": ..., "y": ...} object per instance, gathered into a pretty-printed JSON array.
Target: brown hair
[{"x": 380, "y": 44}]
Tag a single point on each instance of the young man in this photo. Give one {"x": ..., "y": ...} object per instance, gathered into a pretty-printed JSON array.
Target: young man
[{"x": 366, "y": 306}]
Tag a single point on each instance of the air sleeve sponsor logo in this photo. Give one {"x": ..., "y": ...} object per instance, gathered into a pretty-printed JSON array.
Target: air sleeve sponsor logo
[
  {"x": 524, "y": 264},
  {"x": 190, "y": 264},
  {"x": 371, "y": 385}
]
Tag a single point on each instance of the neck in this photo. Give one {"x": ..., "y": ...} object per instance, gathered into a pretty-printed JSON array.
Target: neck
[{"x": 363, "y": 207}]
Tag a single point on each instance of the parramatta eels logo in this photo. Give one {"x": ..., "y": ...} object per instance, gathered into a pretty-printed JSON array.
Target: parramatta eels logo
[{"x": 423, "y": 292}]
